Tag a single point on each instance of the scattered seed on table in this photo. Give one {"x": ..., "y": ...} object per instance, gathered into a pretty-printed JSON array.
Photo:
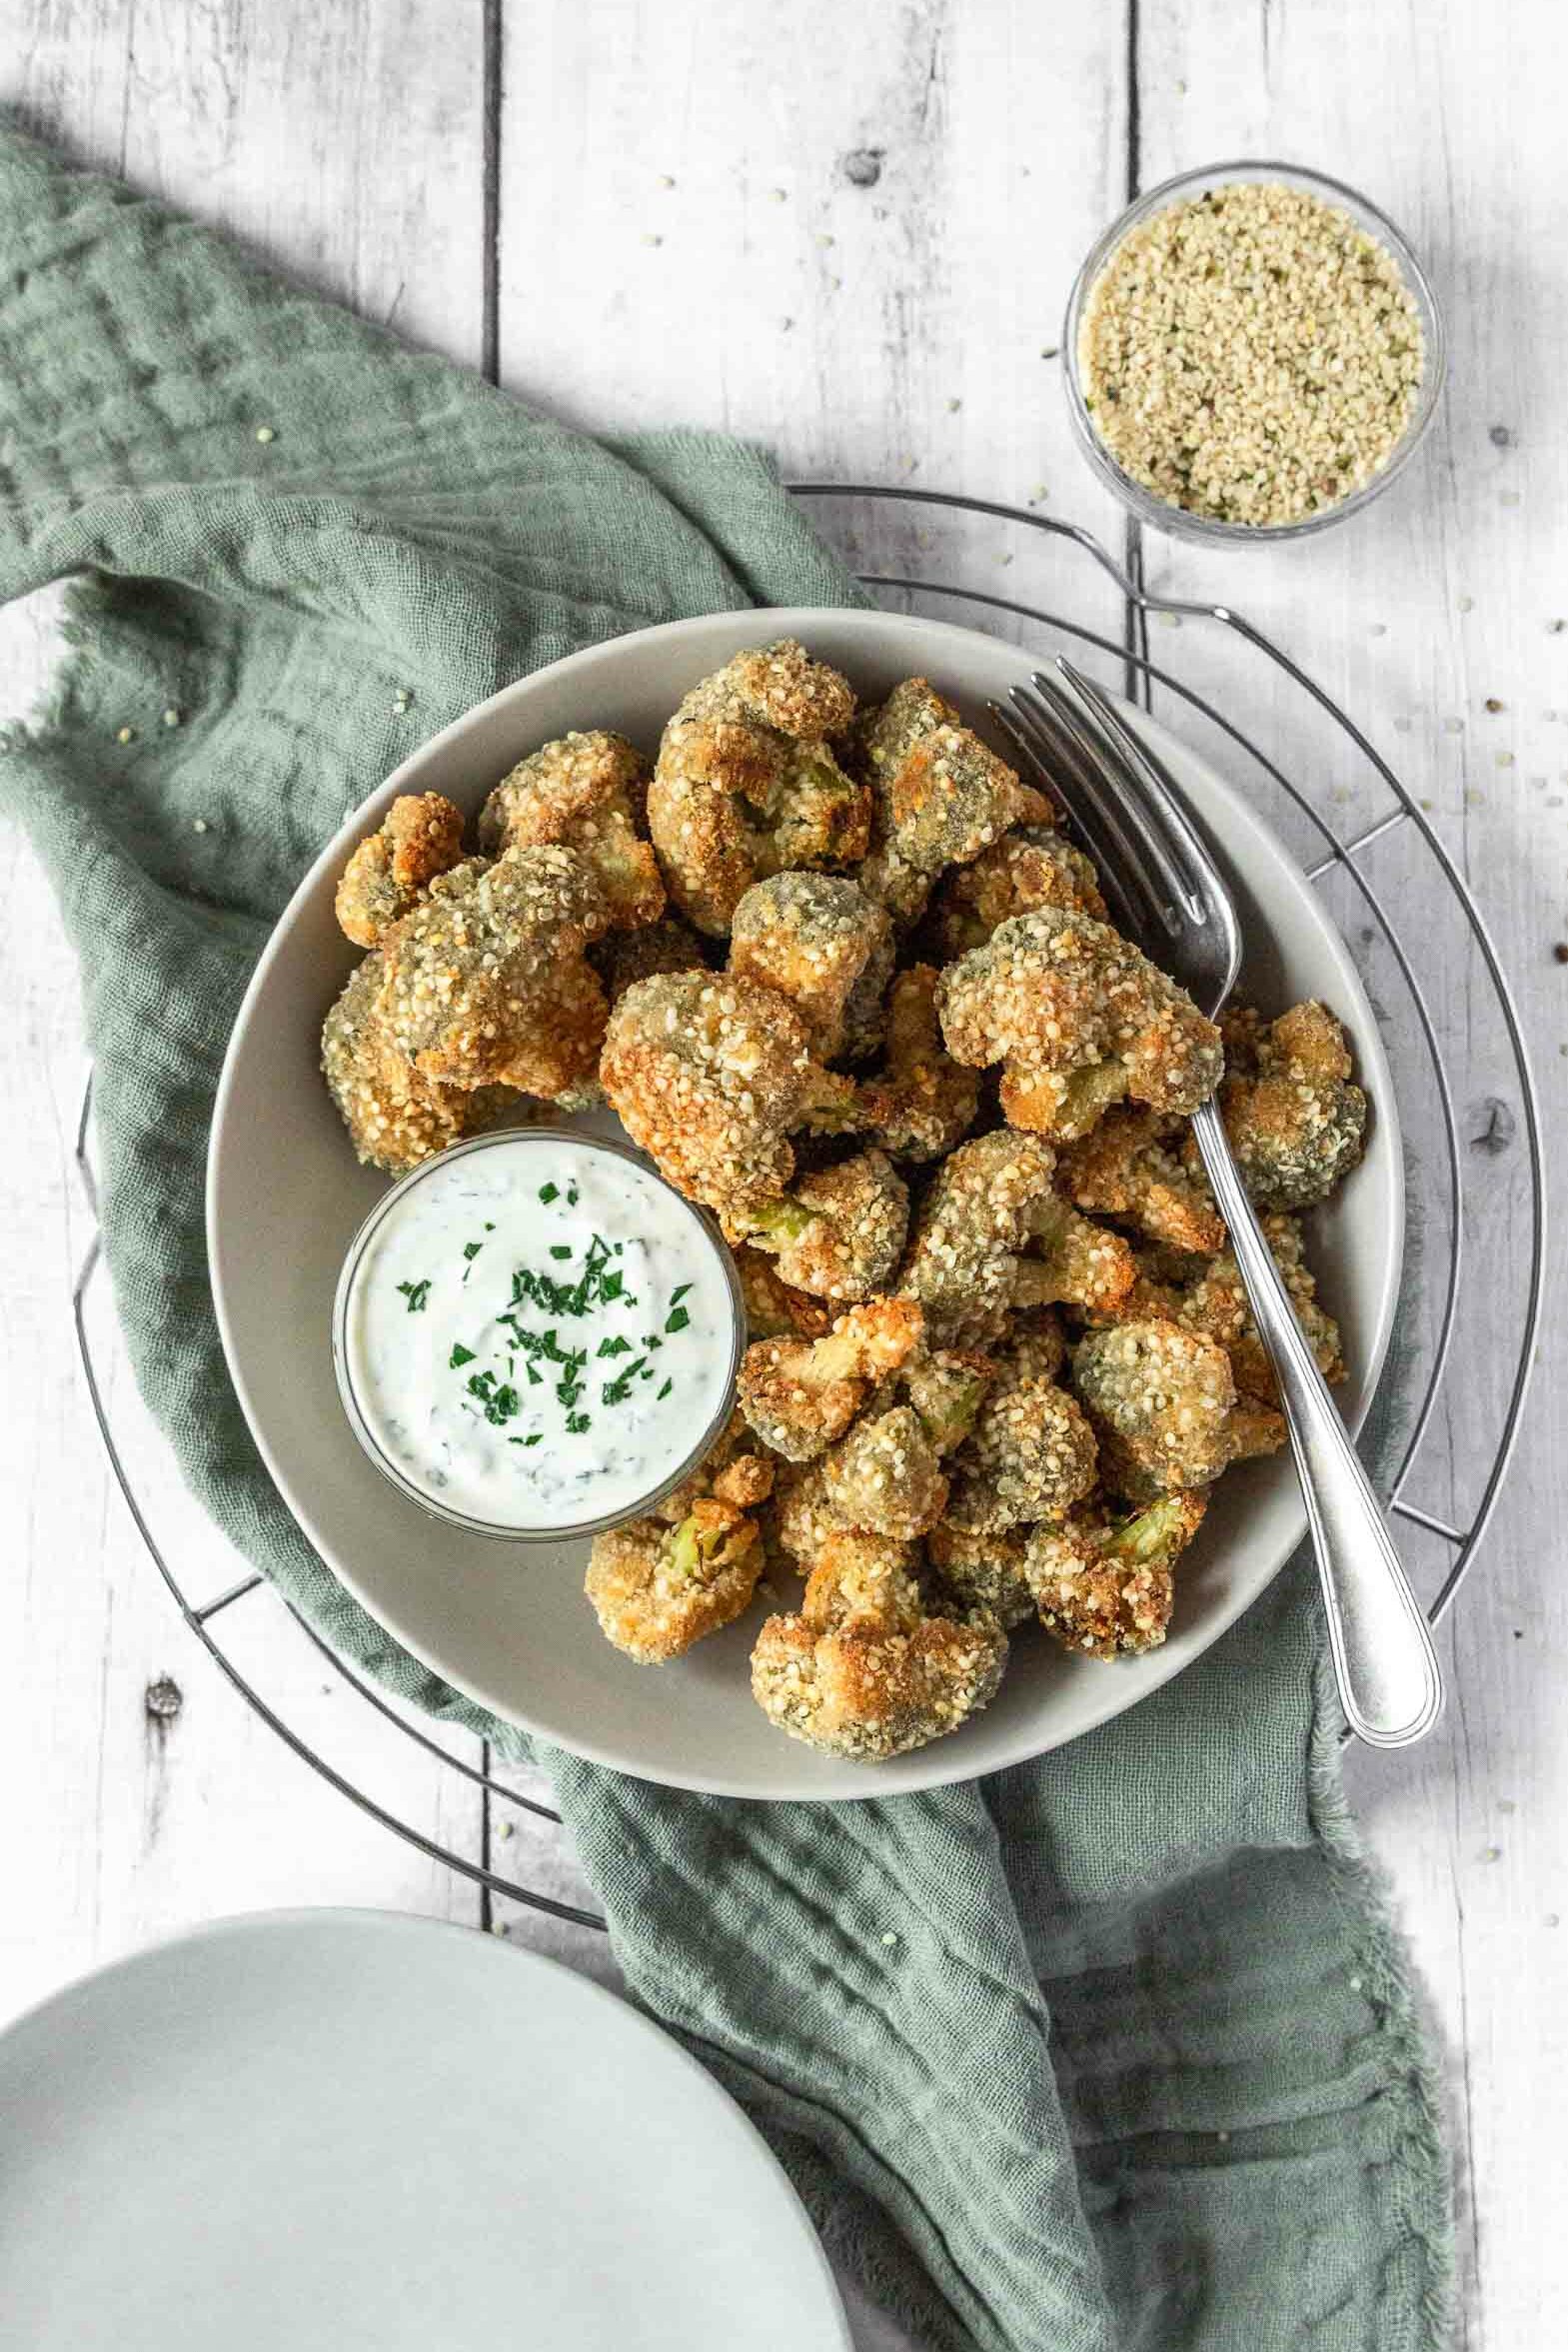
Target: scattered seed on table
[
  {"x": 1402, "y": 726},
  {"x": 1506, "y": 1805},
  {"x": 498, "y": 1927},
  {"x": 826, "y": 237},
  {"x": 786, "y": 324},
  {"x": 954, "y": 407},
  {"x": 171, "y": 717},
  {"x": 1454, "y": 726},
  {"x": 1038, "y": 495},
  {"x": 1499, "y": 437},
  {"x": 1557, "y": 627},
  {"x": 1378, "y": 629},
  {"x": 649, "y": 239},
  {"x": 1004, "y": 559},
  {"x": 1560, "y": 952},
  {"x": 665, "y": 181},
  {"x": 1050, "y": 350},
  {"x": 1428, "y": 804},
  {"x": 1505, "y": 758},
  {"x": 779, "y": 195},
  {"x": 1168, "y": 620},
  {"x": 198, "y": 825},
  {"x": 503, "y": 1828},
  {"x": 263, "y": 434},
  {"x": 1493, "y": 704},
  {"x": 1508, "y": 497},
  {"x": 1467, "y": 604},
  {"x": 125, "y": 735},
  {"x": 1491, "y": 1854},
  {"x": 889, "y": 1939}
]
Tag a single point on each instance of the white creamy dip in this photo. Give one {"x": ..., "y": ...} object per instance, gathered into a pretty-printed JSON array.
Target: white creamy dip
[{"x": 536, "y": 1333}]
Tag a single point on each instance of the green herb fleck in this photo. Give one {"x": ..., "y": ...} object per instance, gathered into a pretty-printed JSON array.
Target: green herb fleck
[
  {"x": 416, "y": 1293},
  {"x": 560, "y": 1248},
  {"x": 460, "y": 1356},
  {"x": 576, "y": 1423},
  {"x": 679, "y": 1292},
  {"x": 573, "y": 1196},
  {"x": 664, "y": 1392},
  {"x": 677, "y": 1320},
  {"x": 533, "y": 1441},
  {"x": 616, "y": 1347},
  {"x": 549, "y": 1193}
]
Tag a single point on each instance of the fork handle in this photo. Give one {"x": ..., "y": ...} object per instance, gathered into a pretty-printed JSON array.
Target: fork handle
[{"x": 1384, "y": 1662}]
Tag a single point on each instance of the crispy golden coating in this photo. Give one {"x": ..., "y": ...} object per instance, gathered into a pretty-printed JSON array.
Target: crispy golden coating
[
  {"x": 812, "y": 937},
  {"x": 419, "y": 837},
  {"x": 1163, "y": 1404},
  {"x": 486, "y": 982},
  {"x": 586, "y": 792},
  {"x": 1130, "y": 1167},
  {"x": 840, "y": 1232},
  {"x": 1104, "y": 1587},
  {"x": 1035, "y": 866},
  {"x": 1032, "y": 1455},
  {"x": 658, "y": 1588},
  {"x": 885, "y": 1475},
  {"x": 922, "y": 1102},
  {"x": 800, "y": 1395},
  {"x": 946, "y": 1387},
  {"x": 942, "y": 795},
  {"x": 747, "y": 784},
  {"x": 395, "y": 1117},
  {"x": 992, "y": 1234},
  {"x": 708, "y": 1073},
  {"x": 774, "y": 1309},
  {"x": 1078, "y": 1019},
  {"x": 862, "y": 1670},
  {"x": 976, "y": 1574},
  {"x": 626, "y": 956},
  {"x": 1216, "y": 1304},
  {"x": 1295, "y": 1118}
]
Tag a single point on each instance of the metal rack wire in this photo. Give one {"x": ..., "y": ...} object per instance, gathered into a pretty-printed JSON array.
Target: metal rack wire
[{"x": 1504, "y": 1350}]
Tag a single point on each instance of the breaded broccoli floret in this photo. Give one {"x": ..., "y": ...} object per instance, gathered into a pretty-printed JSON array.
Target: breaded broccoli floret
[
  {"x": 586, "y": 792},
  {"x": 709, "y": 1074},
  {"x": 864, "y": 1670},
  {"x": 774, "y": 1309},
  {"x": 802, "y": 1394},
  {"x": 747, "y": 784},
  {"x": 419, "y": 837},
  {"x": 946, "y": 1387},
  {"x": 1295, "y": 1118},
  {"x": 812, "y": 937},
  {"x": 1163, "y": 1404},
  {"x": 885, "y": 1475},
  {"x": 1103, "y": 1585},
  {"x": 989, "y": 1202},
  {"x": 658, "y": 1588},
  {"x": 663, "y": 1581},
  {"x": 395, "y": 1117},
  {"x": 1129, "y": 1167},
  {"x": 922, "y": 1102},
  {"x": 980, "y": 1574},
  {"x": 1078, "y": 1019},
  {"x": 626, "y": 956},
  {"x": 1216, "y": 1304},
  {"x": 1036, "y": 866},
  {"x": 486, "y": 982},
  {"x": 942, "y": 795},
  {"x": 840, "y": 1232},
  {"x": 801, "y": 1516},
  {"x": 1031, "y": 1456}
]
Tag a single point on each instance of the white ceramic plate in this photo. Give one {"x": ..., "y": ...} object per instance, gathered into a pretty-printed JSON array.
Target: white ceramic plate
[
  {"x": 510, "y": 1624},
  {"x": 346, "y": 2131}
]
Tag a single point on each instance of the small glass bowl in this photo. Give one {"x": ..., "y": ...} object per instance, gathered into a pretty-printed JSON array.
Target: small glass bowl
[
  {"x": 361, "y": 1424},
  {"x": 1179, "y": 522}
]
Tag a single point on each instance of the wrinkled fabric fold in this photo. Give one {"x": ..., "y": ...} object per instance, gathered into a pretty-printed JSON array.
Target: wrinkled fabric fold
[{"x": 1114, "y": 2050}]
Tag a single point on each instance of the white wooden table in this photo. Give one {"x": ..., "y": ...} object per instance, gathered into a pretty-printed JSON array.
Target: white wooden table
[{"x": 532, "y": 186}]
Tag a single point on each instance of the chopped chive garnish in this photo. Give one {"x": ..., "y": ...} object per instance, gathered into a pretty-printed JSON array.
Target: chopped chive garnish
[
  {"x": 573, "y": 1196},
  {"x": 677, "y": 1320},
  {"x": 615, "y": 1346},
  {"x": 560, "y": 1248},
  {"x": 664, "y": 1392},
  {"x": 576, "y": 1423},
  {"x": 533, "y": 1441},
  {"x": 416, "y": 1293},
  {"x": 470, "y": 1249},
  {"x": 549, "y": 1193},
  {"x": 460, "y": 1355},
  {"x": 679, "y": 1292}
]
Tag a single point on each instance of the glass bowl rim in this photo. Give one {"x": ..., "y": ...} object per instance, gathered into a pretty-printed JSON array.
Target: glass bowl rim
[
  {"x": 1182, "y": 522},
  {"x": 359, "y": 1421}
]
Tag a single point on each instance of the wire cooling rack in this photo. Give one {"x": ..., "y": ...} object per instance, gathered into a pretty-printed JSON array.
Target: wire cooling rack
[{"x": 1476, "y": 1191}]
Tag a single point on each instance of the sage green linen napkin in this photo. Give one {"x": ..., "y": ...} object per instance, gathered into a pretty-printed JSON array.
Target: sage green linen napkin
[{"x": 1114, "y": 2050}]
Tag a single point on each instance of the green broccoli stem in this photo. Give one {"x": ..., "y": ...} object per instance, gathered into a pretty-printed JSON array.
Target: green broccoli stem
[
  {"x": 1148, "y": 1535},
  {"x": 778, "y": 1225}
]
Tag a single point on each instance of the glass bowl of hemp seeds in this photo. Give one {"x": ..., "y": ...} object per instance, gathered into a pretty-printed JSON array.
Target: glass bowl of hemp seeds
[{"x": 1251, "y": 351}]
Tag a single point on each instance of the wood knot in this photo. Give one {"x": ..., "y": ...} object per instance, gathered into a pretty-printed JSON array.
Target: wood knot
[
  {"x": 1493, "y": 1127},
  {"x": 163, "y": 1699}
]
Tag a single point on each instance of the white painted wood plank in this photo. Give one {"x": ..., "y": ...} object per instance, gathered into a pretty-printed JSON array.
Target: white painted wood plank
[
  {"x": 1438, "y": 599},
  {"x": 348, "y": 145}
]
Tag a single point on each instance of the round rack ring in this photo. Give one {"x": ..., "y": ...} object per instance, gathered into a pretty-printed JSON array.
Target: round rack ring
[{"x": 1498, "y": 1349}]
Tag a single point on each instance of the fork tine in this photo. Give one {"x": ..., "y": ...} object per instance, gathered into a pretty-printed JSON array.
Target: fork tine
[
  {"x": 1116, "y": 747},
  {"x": 1044, "y": 758},
  {"x": 1102, "y": 804},
  {"x": 1188, "y": 853}
]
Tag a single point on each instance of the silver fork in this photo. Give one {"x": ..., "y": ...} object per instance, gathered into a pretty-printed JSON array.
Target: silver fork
[{"x": 1171, "y": 901}]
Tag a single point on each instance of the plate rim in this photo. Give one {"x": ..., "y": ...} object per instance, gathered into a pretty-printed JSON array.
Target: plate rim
[
  {"x": 238, "y": 1927},
  {"x": 905, "y": 1774}
]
